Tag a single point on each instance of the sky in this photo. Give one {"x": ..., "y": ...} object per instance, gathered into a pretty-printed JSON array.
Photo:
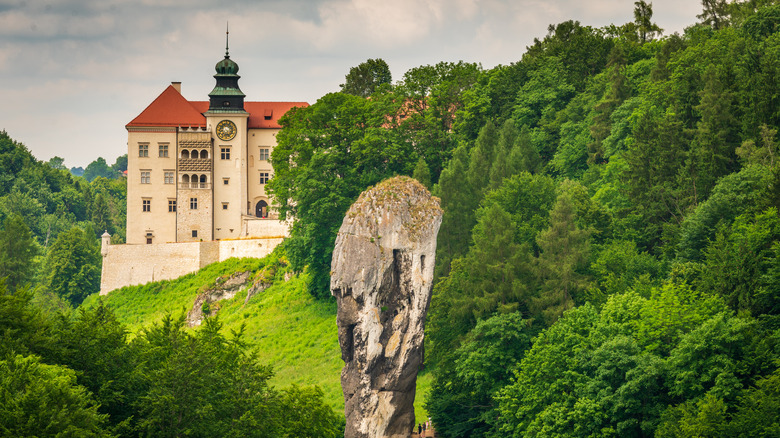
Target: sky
[{"x": 73, "y": 73}]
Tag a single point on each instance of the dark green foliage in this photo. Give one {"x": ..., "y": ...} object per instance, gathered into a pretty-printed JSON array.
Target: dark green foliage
[
  {"x": 73, "y": 265},
  {"x": 614, "y": 372},
  {"x": 17, "y": 250},
  {"x": 44, "y": 400},
  {"x": 23, "y": 328},
  {"x": 462, "y": 395},
  {"x": 327, "y": 154},
  {"x": 303, "y": 413},
  {"x": 364, "y": 79},
  {"x": 97, "y": 168},
  {"x": 735, "y": 194},
  {"x": 422, "y": 174},
  {"x": 560, "y": 266},
  {"x": 94, "y": 344}
]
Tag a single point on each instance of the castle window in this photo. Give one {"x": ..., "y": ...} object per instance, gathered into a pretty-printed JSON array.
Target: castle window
[
  {"x": 193, "y": 203},
  {"x": 264, "y": 153},
  {"x": 147, "y": 205},
  {"x": 168, "y": 177},
  {"x": 264, "y": 177},
  {"x": 225, "y": 153},
  {"x": 194, "y": 233},
  {"x": 143, "y": 150},
  {"x": 224, "y": 205},
  {"x": 225, "y": 181},
  {"x": 163, "y": 151},
  {"x": 194, "y": 155},
  {"x": 204, "y": 154},
  {"x": 185, "y": 154},
  {"x": 146, "y": 177},
  {"x": 172, "y": 206}
]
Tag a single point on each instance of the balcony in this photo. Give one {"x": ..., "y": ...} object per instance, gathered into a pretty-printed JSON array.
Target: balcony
[
  {"x": 194, "y": 165},
  {"x": 195, "y": 185}
]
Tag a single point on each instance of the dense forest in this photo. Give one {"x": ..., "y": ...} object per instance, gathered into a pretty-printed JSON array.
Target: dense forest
[
  {"x": 609, "y": 259},
  {"x": 50, "y": 221},
  {"x": 608, "y": 262}
]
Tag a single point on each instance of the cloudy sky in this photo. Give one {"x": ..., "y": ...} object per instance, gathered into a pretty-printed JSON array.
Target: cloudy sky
[{"x": 74, "y": 72}]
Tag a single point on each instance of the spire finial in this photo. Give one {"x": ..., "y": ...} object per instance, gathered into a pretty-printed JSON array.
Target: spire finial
[{"x": 227, "y": 35}]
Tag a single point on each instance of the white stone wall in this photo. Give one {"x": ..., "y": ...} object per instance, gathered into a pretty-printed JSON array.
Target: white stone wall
[
  {"x": 127, "y": 265},
  {"x": 254, "y": 227}
]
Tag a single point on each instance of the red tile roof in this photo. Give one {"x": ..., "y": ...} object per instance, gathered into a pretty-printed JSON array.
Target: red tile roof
[{"x": 171, "y": 109}]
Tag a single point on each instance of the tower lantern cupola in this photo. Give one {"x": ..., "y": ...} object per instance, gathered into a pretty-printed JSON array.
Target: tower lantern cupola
[{"x": 226, "y": 96}]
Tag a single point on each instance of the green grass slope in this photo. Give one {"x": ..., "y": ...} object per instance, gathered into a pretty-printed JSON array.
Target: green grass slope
[{"x": 292, "y": 331}]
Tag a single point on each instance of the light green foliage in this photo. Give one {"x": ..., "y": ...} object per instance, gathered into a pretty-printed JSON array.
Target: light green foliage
[
  {"x": 619, "y": 266},
  {"x": 73, "y": 263},
  {"x": 45, "y": 400},
  {"x": 614, "y": 372}
]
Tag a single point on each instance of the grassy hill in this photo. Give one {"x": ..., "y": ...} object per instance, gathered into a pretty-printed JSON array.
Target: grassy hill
[{"x": 292, "y": 331}]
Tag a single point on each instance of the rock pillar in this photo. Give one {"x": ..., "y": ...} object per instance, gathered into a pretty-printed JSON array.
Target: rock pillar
[{"x": 381, "y": 277}]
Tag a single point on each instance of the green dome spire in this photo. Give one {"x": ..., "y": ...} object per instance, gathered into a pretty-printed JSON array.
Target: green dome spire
[
  {"x": 227, "y": 66},
  {"x": 226, "y": 96}
]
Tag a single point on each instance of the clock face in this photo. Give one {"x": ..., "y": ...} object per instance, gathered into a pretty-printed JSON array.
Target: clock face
[{"x": 226, "y": 130}]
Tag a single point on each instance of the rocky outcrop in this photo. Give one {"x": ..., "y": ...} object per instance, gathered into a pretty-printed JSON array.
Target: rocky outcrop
[
  {"x": 381, "y": 277},
  {"x": 207, "y": 303}
]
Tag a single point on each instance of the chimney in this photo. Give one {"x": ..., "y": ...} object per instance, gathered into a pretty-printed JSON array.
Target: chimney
[{"x": 177, "y": 86}]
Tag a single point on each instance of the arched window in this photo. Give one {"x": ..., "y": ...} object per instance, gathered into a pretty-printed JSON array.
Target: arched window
[
  {"x": 185, "y": 154},
  {"x": 185, "y": 180},
  {"x": 261, "y": 209},
  {"x": 194, "y": 154},
  {"x": 204, "y": 155},
  {"x": 203, "y": 181},
  {"x": 194, "y": 181}
]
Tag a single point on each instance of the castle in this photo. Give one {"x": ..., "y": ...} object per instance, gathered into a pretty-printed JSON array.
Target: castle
[{"x": 196, "y": 175}]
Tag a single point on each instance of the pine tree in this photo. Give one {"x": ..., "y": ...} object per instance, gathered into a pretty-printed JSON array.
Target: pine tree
[
  {"x": 481, "y": 159},
  {"x": 422, "y": 173},
  {"x": 458, "y": 203},
  {"x": 17, "y": 251},
  {"x": 564, "y": 253}
]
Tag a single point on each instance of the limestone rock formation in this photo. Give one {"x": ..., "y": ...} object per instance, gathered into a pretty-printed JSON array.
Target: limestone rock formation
[{"x": 381, "y": 277}]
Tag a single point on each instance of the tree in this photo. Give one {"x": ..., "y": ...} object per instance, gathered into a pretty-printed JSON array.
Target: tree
[
  {"x": 73, "y": 264},
  {"x": 364, "y": 79},
  {"x": 120, "y": 165},
  {"x": 45, "y": 400},
  {"x": 564, "y": 253},
  {"x": 422, "y": 173},
  {"x": 714, "y": 13},
  {"x": 95, "y": 345},
  {"x": 17, "y": 252},
  {"x": 461, "y": 399},
  {"x": 643, "y": 15},
  {"x": 57, "y": 163},
  {"x": 327, "y": 154},
  {"x": 97, "y": 168}
]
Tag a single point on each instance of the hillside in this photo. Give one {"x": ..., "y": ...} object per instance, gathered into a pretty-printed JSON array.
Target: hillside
[{"x": 292, "y": 331}]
